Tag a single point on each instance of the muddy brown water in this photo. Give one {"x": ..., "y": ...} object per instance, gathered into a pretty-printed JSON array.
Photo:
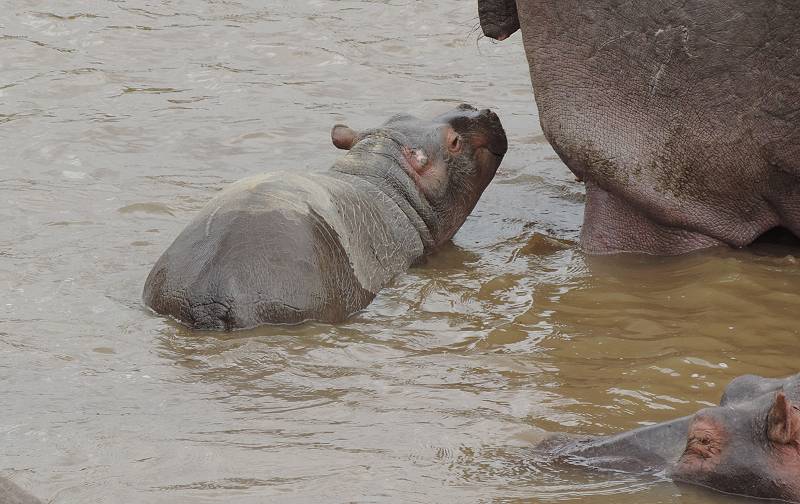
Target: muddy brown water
[{"x": 120, "y": 119}]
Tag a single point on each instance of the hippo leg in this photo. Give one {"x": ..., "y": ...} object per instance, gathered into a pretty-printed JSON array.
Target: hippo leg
[{"x": 612, "y": 224}]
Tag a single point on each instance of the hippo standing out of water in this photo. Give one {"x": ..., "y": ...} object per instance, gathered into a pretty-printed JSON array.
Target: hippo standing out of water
[
  {"x": 748, "y": 445},
  {"x": 289, "y": 247},
  {"x": 682, "y": 118}
]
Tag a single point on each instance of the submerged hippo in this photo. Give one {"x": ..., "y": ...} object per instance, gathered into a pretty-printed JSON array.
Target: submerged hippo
[
  {"x": 683, "y": 118},
  {"x": 10, "y": 493},
  {"x": 748, "y": 445},
  {"x": 288, "y": 247}
]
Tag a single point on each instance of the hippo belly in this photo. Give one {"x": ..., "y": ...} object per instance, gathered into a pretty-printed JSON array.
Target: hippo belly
[{"x": 270, "y": 249}]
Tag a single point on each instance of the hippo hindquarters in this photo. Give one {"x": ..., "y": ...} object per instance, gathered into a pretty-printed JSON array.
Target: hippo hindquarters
[{"x": 279, "y": 267}]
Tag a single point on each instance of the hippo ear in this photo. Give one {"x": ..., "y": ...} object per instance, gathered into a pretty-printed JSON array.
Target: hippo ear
[
  {"x": 783, "y": 421},
  {"x": 343, "y": 137}
]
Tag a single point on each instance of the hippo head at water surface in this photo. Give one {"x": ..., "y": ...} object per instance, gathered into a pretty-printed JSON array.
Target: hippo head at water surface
[
  {"x": 682, "y": 118},
  {"x": 748, "y": 445},
  {"x": 450, "y": 158}
]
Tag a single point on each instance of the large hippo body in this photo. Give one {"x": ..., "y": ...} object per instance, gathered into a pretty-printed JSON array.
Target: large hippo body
[
  {"x": 287, "y": 247},
  {"x": 682, "y": 117},
  {"x": 748, "y": 445}
]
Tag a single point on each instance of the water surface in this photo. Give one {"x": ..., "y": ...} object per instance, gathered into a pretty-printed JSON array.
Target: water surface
[{"x": 120, "y": 119}]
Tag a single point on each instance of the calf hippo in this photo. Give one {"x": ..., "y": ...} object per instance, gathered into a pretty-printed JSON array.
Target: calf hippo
[
  {"x": 289, "y": 247},
  {"x": 748, "y": 445}
]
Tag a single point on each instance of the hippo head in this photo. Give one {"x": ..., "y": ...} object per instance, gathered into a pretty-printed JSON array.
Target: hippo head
[
  {"x": 750, "y": 445},
  {"x": 498, "y": 18},
  {"x": 447, "y": 161}
]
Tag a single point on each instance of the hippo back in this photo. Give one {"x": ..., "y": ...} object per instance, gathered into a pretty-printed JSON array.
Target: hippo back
[{"x": 279, "y": 248}]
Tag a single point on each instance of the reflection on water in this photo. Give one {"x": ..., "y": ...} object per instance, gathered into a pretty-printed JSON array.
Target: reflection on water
[{"x": 121, "y": 119}]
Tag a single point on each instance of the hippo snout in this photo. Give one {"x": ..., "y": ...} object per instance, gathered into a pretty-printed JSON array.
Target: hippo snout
[
  {"x": 497, "y": 141},
  {"x": 490, "y": 118},
  {"x": 490, "y": 115}
]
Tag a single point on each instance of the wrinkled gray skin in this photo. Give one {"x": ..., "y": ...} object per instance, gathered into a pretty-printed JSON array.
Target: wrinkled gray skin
[
  {"x": 749, "y": 445},
  {"x": 289, "y": 247},
  {"x": 12, "y": 494},
  {"x": 682, "y": 117}
]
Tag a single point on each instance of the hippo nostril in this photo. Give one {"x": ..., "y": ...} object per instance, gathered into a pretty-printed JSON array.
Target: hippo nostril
[{"x": 487, "y": 113}]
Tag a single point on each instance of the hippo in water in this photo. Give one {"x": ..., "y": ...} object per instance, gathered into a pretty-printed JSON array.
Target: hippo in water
[
  {"x": 288, "y": 247},
  {"x": 748, "y": 445},
  {"x": 10, "y": 493},
  {"x": 682, "y": 118}
]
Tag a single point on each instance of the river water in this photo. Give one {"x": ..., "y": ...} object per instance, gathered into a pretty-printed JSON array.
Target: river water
[{"x": 119, "y": 119}]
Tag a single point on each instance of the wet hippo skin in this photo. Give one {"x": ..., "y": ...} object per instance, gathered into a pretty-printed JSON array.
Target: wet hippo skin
[
  {"x": 749, "y": 445},
  {"x": 683, "y": 118},
  {"x": 13, "y": 494},
  {"x": 289, "y": 247}
]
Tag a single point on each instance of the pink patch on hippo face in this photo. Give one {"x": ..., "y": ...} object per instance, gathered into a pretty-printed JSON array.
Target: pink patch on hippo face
[
  {"x": 706, "y": 440},
  {"x": 417, "y": 160},
  {"x": 429, "y": 176}
]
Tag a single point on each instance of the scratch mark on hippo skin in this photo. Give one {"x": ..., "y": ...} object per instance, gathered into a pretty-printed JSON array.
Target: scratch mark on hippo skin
[
  {"x": 210, "y": 219},
  {"x": 666, "y": 38},
  {"x": 615, "y": 39},
  {"x": 656, "y": 78},
  {"x": 685, "y": 40}
]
